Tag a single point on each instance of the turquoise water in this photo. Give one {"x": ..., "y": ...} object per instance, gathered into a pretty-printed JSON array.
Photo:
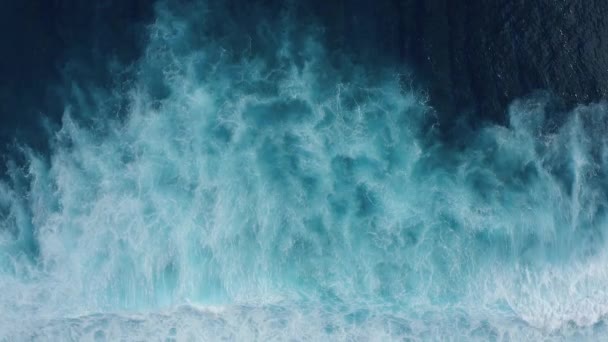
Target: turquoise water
[{"x": 245, "y": 189}]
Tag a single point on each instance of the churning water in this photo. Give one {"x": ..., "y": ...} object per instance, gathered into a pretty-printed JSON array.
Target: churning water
[{"x": 238, "y": 188}]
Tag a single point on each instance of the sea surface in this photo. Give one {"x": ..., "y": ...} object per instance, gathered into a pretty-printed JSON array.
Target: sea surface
[{"x": 213, "y": 170}]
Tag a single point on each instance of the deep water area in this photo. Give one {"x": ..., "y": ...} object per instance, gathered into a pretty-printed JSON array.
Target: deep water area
[{"x": 234, "y": 177}]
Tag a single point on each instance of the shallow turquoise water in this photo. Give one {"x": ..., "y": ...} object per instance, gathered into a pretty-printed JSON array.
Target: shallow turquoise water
[{"x": 252, "y": 190}]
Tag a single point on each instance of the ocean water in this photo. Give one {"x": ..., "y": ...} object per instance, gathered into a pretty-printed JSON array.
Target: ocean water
[{"x": 252, "y": 185}]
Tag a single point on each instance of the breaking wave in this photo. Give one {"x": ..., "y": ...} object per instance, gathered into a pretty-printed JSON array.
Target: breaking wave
[{"x": 248, "y": 187}]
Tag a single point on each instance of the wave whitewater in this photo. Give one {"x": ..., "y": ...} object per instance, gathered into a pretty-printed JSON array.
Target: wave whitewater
[{"x": 253, "y": 190}]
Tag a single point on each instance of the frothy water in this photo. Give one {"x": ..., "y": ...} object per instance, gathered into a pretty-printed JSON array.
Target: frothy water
[{"x": 252, "y": 190}]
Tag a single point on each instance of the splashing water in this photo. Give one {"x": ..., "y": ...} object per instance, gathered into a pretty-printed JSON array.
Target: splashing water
[{"x": 268, "y": 195}]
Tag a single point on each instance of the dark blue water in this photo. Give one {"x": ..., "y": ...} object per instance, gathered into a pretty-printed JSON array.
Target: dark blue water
[{"x": 289, "y": 171}]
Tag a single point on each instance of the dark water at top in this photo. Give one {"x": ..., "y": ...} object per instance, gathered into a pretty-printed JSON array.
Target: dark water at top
[
  {"x": 472, "y": 56},
  {"x": 50, "y": 45}
]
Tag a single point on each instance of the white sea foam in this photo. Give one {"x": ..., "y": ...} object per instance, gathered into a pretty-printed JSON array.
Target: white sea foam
[{"x": 268, "y": 195}]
